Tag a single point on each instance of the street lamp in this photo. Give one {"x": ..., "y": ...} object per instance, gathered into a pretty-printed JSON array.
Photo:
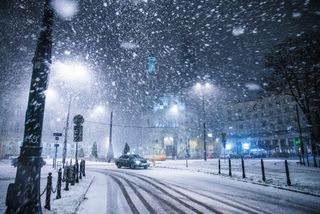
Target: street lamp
[
  {"x": 202, "y": 90},
  {"x": 74, "y": 74},
  {"x": 23, "y": 196}
]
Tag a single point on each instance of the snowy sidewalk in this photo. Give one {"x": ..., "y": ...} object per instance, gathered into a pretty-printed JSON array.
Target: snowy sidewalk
[
  {"x": 70, "y": 200},
  {"x": 304, "y": 179}
]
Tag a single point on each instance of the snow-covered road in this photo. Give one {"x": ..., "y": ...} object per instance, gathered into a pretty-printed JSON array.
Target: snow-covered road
[{"x": 159, "y": 190}]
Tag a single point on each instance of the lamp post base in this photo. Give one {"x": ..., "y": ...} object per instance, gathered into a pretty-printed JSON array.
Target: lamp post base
[{"x": 23, "y": 196}]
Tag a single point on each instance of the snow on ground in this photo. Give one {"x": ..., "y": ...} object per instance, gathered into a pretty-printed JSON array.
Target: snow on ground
[
  {"x": 303, "y": 178},
  {"x": 84, "y": 196},
  {"x": 70, "y": 199}
]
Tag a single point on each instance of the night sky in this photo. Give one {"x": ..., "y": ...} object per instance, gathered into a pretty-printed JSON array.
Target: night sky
[{"x": 224, "y": 41}]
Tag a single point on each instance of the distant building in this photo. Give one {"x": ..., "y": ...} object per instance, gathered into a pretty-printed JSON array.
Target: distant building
[
  {"x": 270, "y": 124},
  {"x": 267, "y": 126}
]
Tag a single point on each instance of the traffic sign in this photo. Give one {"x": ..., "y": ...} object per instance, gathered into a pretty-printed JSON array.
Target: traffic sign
[
  {"x": 57, "y": 134},
  {"x": 77, "y": 133},
  {"x": 78, "y": 119}
]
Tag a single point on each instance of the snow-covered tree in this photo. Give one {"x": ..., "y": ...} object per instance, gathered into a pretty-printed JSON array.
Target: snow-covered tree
[
  {"x": 126, "y": 149},
  {"x": 81, "y": 153},
  {"x": 94, "y": 150}
]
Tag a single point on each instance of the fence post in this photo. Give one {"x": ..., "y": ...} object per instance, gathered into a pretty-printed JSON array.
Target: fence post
[
  {"x": 243, "y": 169},
  {"x": 48, "y": 191},
  {"x": 262, "y": 169},
  {"x": 230, "y": 174},
  {"x": 59, "y": 184},
  {"x": 219, "y": 165},
  {"x": 67, "y": 179},
  {"x": 287, "y": 173},
  {"x": 77, "y": 172}
]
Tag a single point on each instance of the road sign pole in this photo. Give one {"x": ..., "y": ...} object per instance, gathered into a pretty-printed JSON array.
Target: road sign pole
[{"x": 78, "y": 133}]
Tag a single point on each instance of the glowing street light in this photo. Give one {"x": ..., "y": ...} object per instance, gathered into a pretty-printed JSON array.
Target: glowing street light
[
  {"x": 75, "y": 75},
  {"x": 70, "y": 72},
  {"x": 202, "y": 90}
]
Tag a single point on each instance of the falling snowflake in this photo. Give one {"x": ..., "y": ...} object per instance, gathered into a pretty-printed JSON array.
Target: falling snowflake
[{"x": 237, "y": 31}]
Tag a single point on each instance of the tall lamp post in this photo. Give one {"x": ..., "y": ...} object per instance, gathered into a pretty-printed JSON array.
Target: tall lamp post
[
  {"x": 65, "y": 142},
  {"x": 23, "y": 196},
  {"x": 203, "y": 89},
  {"x": 110, "y": 155}
]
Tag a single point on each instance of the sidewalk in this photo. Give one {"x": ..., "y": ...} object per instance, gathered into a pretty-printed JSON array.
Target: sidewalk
[
  {"x": 304, "y": 179},
  {"x": 70, "y": 200}
]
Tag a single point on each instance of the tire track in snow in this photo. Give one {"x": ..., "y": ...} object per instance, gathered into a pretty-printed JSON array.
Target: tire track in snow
[
  {"x": 143, "y": 200},
  {"x": 210, "y": 208},
  {"x": 126, "y": 195},
  {"x": 246, "y": 209}
]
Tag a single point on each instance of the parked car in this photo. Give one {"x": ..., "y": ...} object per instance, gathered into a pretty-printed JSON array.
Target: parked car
[{"x": 132, "y": 161}]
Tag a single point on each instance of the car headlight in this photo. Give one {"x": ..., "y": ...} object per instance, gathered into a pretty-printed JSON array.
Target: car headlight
[{"x": 137, "y": 162}]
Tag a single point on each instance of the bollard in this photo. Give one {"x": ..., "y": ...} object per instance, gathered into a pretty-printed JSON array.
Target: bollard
[
  {"x": 219, "y": 166},
  {"x": 243, "y": 169},
  {"x": 59, "y": 184},
  {"x": 80, "y": 171},
  {"x": 262, "y": 169},
  {"x": 230, "y": 174},
  {"x": 73, "y": 175},
  {"x": 48, "y": 191},
  {"x": 67, "y": 179},
  {"x": 84, "y": 168},
  {"x": 287, "y": 173},
  {"x": 300, "y": 159},
  {"x": 77, "y": 172}
]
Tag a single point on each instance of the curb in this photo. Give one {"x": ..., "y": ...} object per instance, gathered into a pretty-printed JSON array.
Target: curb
[{"x": 83, "y": 197}]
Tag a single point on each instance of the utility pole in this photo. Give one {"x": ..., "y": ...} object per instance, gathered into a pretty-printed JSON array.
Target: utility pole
[
  {"x": 65, "y": 143},
  {"x": 110, "y": 154},
  {"x": 23, "y": 196}
]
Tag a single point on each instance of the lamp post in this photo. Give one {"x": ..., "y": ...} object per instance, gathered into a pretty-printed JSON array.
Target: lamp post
[
  {"x": 203, "y": 89},
  {"x": 23, "y": 196},
  {"x": 65, "y": 142},
  {"x": 110, "y": 155},
  {"x": 204, "y": 129}
]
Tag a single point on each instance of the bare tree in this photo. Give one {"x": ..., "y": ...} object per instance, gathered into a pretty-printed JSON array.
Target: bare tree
[
  {"x": 126, "y": 149},
  {"x": 295, "y": 65}
]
